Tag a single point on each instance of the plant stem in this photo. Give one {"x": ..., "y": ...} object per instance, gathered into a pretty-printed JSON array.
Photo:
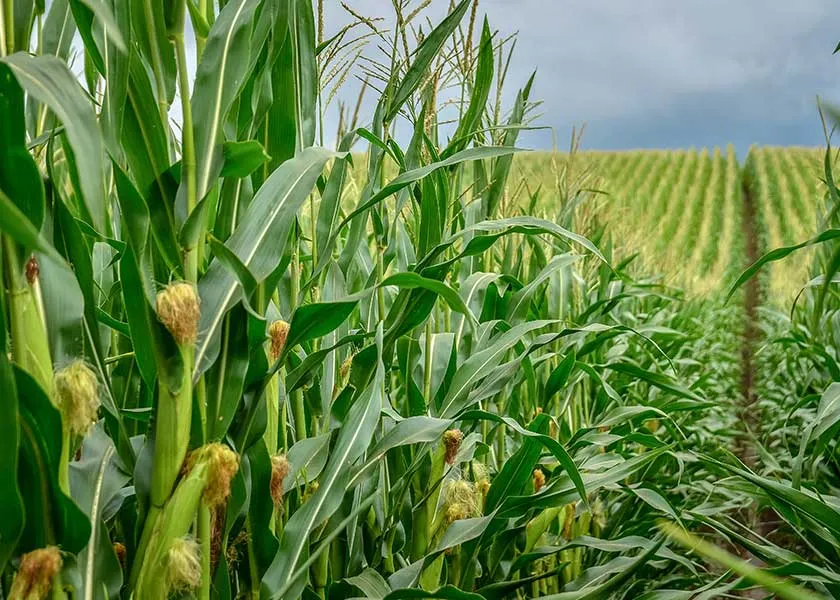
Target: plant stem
[
  {"x": 380, "y": 277},
  {"x": 199, "y": 40},
  {"x": 272, "y": 401},
  {"x": 319, "y": 572},
  {"x": 313, "y": 225},
  {"x": 157, "y": 68},
  {"x": 64, "y": 461},
  {"x": 253, "y": 571},
  {"x": 188, "y": 161},
  {"x": 298, "y": 409},
  {"x": 3, "y": 19},
  {"x": 205, "y": 532},
  {"x": 9, "y": 16},
  {"x": 150, "y": 527},
  {"x": 284, "y": 412},
  {"x": 427, "y": 363}
]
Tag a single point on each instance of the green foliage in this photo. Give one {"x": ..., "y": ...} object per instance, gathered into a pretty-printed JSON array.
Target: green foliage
[{"x": 336, "y": 374}]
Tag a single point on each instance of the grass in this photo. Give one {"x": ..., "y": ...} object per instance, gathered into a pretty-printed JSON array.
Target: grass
[{"x": 240, "y": 364}]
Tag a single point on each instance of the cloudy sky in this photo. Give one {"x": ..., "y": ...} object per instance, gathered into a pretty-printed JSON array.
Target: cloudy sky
[{"x": 666, "y": 73}]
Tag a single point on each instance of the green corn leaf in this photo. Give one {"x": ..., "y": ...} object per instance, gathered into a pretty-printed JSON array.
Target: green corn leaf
[
  {"x": 447, "y": 592},
  {"x": 15, "y": 224},
  {"x": 661, "y": 381},
  {"x": 615, "y": 582},
  {"x": 230, "y": 260},
  {"x": 371, "y": 584},
  {"x": 480, "y": 364},
  {"x": 71, "y": 311},
  {"x": 496, "y": 229},
  {"x": 306, "y": 83},
  {"x": 23, "y": 14},
  {"x": 425, "y": 54},
  {"x": 458, "y": 533},
  {"x": 58, "y": 29},
  {"x": 482, "y": 84},
  {"x": 409, "y": 177},
  {"x": 352, "y": 440},
  {"x": 226, "y": 378},
  {"x": 413, "y": 430},
  {"x": 144, "y": 133},
  {"x": 410, "y": 281},
  {"x": 259, "y": 242},
  {"x": 218, "y": 79},
  {"x": 565, "y": 492},
  {"x": 398, "y": 183},
  {"x": 118, "y": 65},
  {"x": 307, "y": 459},
  {"x": 20, "y": 179},
  {"x": 242, "y": 158},
  {"x": 779, "y": 254},
  {"x": 502, "y": 165},
  {"x": 560, "y": 375},
  {"x": 312, "y": 321},
  {"x": 95, "y": 482},
  {"x": 332, "y": 194},
  {"x": 51, "y": 82},
  {"x": 517, "y": 471},
  {"x": 156, "y": 352},
  {"x": 780, "y": 587},
  {"x": 807, "y": 503},
  {"x": 52, "y": 517},
  {"x": 14, "y": 511},
  {"x": 552, "y": 445},
  {"x": 84, "y": 13},
  {"x": 147, "y": 17},
  {"x": 521, "y": 300}
]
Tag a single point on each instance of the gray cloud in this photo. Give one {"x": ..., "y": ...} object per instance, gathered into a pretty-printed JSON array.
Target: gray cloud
[{"x": 652, "y": 73}]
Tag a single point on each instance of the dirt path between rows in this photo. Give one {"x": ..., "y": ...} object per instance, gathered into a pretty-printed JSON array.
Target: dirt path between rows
[
  {"x": 759, "y": 522},
  {"x": 752, "y": 299}
]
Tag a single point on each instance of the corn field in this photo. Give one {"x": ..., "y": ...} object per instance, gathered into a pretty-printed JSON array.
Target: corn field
[
  {"x": 681, "y": 210},
  {"x": 243, "y": 361}
]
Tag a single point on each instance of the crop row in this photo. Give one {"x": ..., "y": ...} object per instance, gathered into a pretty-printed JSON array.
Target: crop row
[
  {"x": 788, "y": 193},
  {"x": 681, "y": 210}
]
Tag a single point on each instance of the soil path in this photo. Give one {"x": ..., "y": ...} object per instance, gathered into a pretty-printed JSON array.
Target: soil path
[
  {"x": 760, "y": 522},
  {"x": 752, "y": 299}
]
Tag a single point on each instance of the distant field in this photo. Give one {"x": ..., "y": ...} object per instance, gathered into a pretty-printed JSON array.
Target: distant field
[
  {"x": 682, "y": 209},
  {"x": 787, "y": 184}
]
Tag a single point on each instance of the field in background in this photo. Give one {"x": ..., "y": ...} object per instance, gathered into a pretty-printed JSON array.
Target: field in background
[
  {"x": 681, "y": 210},
  {"x": 787, "y": 185}
]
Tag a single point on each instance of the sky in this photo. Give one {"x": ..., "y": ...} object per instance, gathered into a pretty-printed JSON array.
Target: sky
[{"x": 664, "y": 73}]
